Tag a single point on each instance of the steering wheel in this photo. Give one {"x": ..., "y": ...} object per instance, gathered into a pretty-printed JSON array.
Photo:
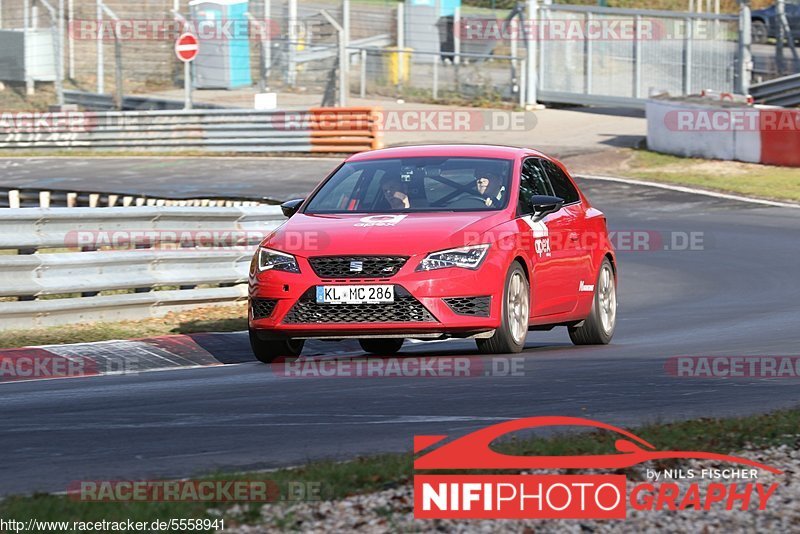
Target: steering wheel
[{"x": 471, "y": 198}]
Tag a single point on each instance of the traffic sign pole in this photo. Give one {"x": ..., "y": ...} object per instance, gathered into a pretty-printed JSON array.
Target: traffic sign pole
[
  {"x": 187, "y": 84},
  {"x": 187, "y": 48}
]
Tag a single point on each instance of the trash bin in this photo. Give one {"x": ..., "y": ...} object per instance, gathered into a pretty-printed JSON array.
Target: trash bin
[
  {"x": 399, "y": 64},
  {"x": 223, "y": 31}
]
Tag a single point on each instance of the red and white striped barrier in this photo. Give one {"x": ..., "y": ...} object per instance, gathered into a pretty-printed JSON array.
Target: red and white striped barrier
[{"x": 724, "y": 131}]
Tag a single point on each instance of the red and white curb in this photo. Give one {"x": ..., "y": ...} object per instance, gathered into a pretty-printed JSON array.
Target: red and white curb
[{"x": 104, "y": 358}]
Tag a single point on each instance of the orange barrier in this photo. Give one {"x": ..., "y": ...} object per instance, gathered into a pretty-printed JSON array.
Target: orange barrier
[{"x": 354, "y": 129}]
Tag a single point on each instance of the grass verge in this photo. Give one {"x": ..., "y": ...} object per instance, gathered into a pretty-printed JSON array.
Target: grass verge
[
  {"x": 749, "y": 179},
  {"x": 209, "y": 319},
  {"x": 365, "y": 475}
]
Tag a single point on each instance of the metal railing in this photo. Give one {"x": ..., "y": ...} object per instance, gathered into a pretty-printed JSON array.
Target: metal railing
[
  {"x": 338, "y": 130},
  {"x": 778, "y": 92},
  {"x": 123, "y": 262}
]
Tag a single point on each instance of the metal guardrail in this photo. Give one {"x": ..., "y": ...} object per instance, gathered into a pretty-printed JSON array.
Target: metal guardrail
[
  {"x": 783, "y": 91},
  {"x": 26, "y": 197},
  {"x": 105, "y": 102},
  {"x": 125, "y": 262},
  {"x": 331, "y": 130}
]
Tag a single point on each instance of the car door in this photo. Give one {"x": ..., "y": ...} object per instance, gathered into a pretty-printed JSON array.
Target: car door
[
  {"x": 552, "y": 263},
  {"x": 580, "y": 245}
]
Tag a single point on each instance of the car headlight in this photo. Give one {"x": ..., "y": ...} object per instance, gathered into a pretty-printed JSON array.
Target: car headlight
[
  {"x": 464, "y": 257},
  {"x": 269, "y": 259}
]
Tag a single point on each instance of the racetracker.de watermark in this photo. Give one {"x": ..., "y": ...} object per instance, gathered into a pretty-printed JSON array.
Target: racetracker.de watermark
[
  {"x": 732, "y": 120},
  {"x": 262, "y": 491},
  {"x": 188, "y": 240},
  {"x": 170, "y": 29},
  {"x": 40, "y": 364},
  {"x": 400, "y": 367},
  {"x": 595, "y": 29},
  {"x": 408, "y": 120},
  {"x": 733, "y": 366}
]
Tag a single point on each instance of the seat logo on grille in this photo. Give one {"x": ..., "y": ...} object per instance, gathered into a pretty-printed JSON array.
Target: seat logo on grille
[{"x": 356, "y": 266}]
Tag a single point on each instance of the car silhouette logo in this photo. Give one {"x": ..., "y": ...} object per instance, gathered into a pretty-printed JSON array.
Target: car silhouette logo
[
  {"x": 356, "y": 266},
  {"x": 474, "y": 451}
]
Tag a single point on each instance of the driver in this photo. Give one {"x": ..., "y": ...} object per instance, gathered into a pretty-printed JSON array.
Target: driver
[
  {"x": 490, "y": 188},
  {"x": 395, "y": 191}
]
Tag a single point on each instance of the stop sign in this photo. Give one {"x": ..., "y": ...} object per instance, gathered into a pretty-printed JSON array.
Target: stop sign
[{"x": 186, "y": 47}]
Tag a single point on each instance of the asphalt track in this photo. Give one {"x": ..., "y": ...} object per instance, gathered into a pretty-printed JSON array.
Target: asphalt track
[
  {"x": 738, "y": 296},
  {"x": 170, "y": 177}
]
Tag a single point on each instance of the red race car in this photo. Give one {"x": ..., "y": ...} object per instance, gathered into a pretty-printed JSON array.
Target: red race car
[{"x": 435, "y": 242}]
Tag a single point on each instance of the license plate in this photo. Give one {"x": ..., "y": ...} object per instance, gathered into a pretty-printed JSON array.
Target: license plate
[{"x": 355, "y": 294}]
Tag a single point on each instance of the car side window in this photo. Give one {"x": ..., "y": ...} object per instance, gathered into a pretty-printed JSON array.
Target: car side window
[
  {"x": 532, "y": 182},
  {"x": 562, "y": 186}
]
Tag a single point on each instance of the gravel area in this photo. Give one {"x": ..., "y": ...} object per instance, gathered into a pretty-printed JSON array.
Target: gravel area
[{"x": 392, "y": 510}]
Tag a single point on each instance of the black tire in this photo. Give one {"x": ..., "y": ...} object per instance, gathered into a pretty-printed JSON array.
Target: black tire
[
  {"x": 594, "y": 331},
  {"x": 267, "y": 351},
  {"x": 503, "y": 341},
  {"x": 382, "y": 347},
  {"x": 759, "y": 32}
]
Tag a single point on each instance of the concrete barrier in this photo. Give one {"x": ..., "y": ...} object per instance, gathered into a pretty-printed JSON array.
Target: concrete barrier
[{"x": 703, "y": 130}]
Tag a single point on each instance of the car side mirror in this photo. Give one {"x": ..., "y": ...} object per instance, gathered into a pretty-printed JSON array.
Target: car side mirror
[
  {"x": 290, "y": 207},
  {"x": 544, "y": 205}
]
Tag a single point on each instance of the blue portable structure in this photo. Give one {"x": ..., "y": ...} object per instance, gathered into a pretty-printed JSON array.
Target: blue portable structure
[{"x": 223, "y": 31}]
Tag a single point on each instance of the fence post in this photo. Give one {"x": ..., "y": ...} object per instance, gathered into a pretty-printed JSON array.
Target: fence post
[
  {"x": 363, "y": 92},
  {"x": 267, "y": 42},
  {"x": 119, "y": 93},
  {"x": 435, "y": 93},
  {"x": 343, "y": 81},
  {"x": 401, "y": 40},
  {"x": 531, "y": 63},
  {"x": 291, "y": 71},
  {"x": 588, "y": 65},
  {"x": 744, "y": 58},
  {"x": 687, "y": 56},
  {"x": 70, "y": 19},
  {"x": 637, "y": 57},
  {"x": 457, "y": 36},
  {"x": 344, "y": 37},
  {"x": 101, "y": 86}
]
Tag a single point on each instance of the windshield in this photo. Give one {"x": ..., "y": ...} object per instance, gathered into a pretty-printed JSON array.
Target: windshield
[{"x": 412, "y": 185}]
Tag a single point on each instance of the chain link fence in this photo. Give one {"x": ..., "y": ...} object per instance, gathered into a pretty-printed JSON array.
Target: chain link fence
[{"x": 293, "y": 48}]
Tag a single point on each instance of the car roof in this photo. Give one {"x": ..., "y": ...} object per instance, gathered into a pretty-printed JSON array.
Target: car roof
[{"x": 474, "y": 151}]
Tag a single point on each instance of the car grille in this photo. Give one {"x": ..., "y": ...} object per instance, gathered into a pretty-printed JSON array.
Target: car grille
[
  {"x": 357, "y": 266},
  {"x": 405, "y": 309},
  {"x": 474, "y": 306},
  {"x": 262, "y": 308}
]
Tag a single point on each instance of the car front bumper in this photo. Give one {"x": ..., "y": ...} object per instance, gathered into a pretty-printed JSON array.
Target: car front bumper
[{"x": 450, "y": 302}]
